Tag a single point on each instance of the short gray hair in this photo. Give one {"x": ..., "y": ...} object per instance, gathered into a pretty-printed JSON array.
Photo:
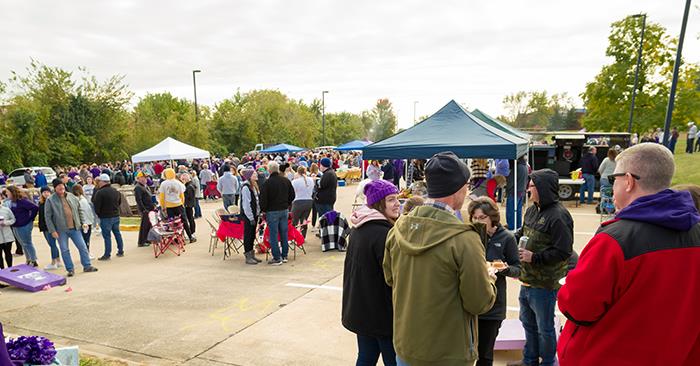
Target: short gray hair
[
  {"x": 652, "y": 162},
  {"x": 273, "y": 167}
]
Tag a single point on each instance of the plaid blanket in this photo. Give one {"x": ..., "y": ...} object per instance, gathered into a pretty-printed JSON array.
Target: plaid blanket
[{"x": 334, "y": 231}]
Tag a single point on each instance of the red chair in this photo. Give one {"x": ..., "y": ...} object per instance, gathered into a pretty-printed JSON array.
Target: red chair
[
  {"x": 294, "y": 239},
  {"x": 170, "y": 233},
  {"x": 211, "y": 191}
]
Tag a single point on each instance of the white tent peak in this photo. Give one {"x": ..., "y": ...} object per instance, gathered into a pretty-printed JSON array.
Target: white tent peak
[{"x": 170, "y": 149}]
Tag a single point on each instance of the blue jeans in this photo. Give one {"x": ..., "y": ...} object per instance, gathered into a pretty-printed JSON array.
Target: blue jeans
[
  {"x": 110, "y": 225},
  {"x": 52, "y": 244},
  {"x": 229, "y": 200},
  {"x": 322, "y": 209},
  {"x": 537, "y": 315},
  {"x": 588, "y": 185},
  {"x": 197, "y": 209},
  {"x": 510, "y": 209},
  {"x": 369, "y": 348},
  {"x": 77, "y": 237},
  {"x": 277, "y": 222},
  {"x": 24, "y": 235}
]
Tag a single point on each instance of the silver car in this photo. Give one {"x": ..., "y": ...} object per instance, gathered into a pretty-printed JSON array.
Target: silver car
[{"x": 16, "y": 178}]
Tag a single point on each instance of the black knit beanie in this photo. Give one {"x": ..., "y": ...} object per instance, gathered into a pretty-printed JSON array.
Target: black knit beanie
[{"x": 445, "y": 174}]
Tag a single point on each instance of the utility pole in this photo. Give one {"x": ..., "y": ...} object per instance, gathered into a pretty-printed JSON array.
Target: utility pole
[
  {"x": 323, "y": 115},
  {"x": 194, "y": 82},
  {"x": 676, "y": 67},
  {"x": 636, "y": 73}
]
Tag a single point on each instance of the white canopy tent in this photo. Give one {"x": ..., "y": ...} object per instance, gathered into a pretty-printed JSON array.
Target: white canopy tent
[{"x": 170, "y": 149}]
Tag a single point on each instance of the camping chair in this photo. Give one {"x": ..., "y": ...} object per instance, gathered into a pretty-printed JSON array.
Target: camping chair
[
  {"x": 233, "y": 209},
  {"x": 216, "y": 217},
  {"x": 213, "y": 238},
  {"x": 169, "y": 232},
  {"x": 294, "y": 239},
  {"x": 606, "y": 207},
  {"x": 210, "y": 191},
  {"x": 232, "y": 243}
]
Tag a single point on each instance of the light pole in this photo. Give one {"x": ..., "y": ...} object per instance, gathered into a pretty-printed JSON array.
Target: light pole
[
  {"x": 636, "y": 73},
  {"x": 676, "y": 67},
  {"x": 323, "y": 115},
  {"x": 194, "y": 82},
  {"x": 414, "y": 111}
]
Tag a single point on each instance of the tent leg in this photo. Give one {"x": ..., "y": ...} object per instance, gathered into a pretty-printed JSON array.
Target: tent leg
[{"x": 515, "y": 195}]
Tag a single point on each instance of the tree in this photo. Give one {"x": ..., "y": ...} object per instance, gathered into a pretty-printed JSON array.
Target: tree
[
  {"x": 384, "y": 120},
  {"x": 608, "y": 97},
  {"x": 538, "y": 110}
]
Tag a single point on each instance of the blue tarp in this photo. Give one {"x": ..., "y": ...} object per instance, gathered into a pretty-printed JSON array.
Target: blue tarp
[
  {"x": 353, "y": 145},
  {"x": 452, "y": 128},
  {"x": 282, "y": 148},
  {"x": 500, "y": 125}
]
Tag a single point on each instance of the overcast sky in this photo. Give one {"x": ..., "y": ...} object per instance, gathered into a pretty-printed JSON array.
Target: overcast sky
[{"x": 358, "y": 50}]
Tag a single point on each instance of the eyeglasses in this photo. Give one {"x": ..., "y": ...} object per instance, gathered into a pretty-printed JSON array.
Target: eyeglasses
[{"x": 611, "y": 177}]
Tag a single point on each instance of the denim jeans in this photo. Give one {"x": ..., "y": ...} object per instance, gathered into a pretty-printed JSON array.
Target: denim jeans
[
  {"x": 537, "y": 315},
  {"x": 24, "y": 235},
  {"x": 108, "y": 226},
  {"x": 277, "y": 222},
  {"x": 369, "y": 348},
  {"x": 588, "y": 185},
  {"x": 52, "y": 244},
  {"x": 322, "y": 209},
  {"x": 511, "y": 209},
  {"x": 77, "y": 237},
  {"x": 197, "y": 209},
  {"x": 229, "y": 200}
]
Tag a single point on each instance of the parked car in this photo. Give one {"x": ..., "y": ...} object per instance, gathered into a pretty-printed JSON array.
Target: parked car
[{"x": 16, "y": 178}]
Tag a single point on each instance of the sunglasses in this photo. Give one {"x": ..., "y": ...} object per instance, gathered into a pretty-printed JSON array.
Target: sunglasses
[{"x": 611, "y": 177}]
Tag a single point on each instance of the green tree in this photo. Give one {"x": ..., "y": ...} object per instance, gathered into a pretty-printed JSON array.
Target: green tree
[
  {"x": 608, "y": 97},
  {"x": 384, "y": 120}
]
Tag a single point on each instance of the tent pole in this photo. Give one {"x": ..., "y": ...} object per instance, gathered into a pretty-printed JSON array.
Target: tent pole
[
  {"x": 515, "y": 195},
  {"x": 362, "y": 165}
]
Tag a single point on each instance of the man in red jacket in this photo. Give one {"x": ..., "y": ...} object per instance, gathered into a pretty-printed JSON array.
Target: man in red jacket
[{"x": 633, "y": 299}]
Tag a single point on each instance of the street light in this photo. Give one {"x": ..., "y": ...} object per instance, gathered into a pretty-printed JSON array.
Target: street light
[
  {"x": 194, "y": 82},
  {"x": 674, "y": 82},
  {"x": 323, "y": 115},
  {"x": 636, "y": 72},
  {"x": 414, "y": 111}
]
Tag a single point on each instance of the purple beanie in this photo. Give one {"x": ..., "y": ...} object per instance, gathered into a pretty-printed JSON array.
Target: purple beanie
[
  {"x": 247, "y": 173},
  {"x": 326, "y": 162},
  {"x": 376, "y": 190}
]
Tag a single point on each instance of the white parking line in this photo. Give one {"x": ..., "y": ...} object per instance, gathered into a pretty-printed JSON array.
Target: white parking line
[{"x": 323, "y": 287}]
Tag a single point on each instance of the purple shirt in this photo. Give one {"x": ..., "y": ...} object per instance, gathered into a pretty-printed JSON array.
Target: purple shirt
[
  {"x": 95, "y": 172},
  {"x": 72, "y": 174},
  {"x": 24, "y": 210},
  {"x": 3, "y": 178}
]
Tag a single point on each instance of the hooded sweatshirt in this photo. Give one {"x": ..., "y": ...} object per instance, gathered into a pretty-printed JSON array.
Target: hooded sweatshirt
[
  {"x": 436, "y": 267},
  {"x": 550, "y": 229},
  {"x": 632, "y": 299},
  {"x": 172, "y": 191},
  {"x": 366, "y": 297}
]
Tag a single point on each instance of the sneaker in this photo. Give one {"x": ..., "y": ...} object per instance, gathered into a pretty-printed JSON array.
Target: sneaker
[
  {"x": 90, "y": 269},
  {"x": 284, "y": 260},
  {"x": 275, "y": 262},
  {"x": 59, "y": 265},
  {"x": 18, "y": 255},
  {"x": 120, "y": 254},
  {"x": 34, "y": 264},
  {"x": 193, "y": 240},
  {"x": 104, "y": 258},
  {"x": 144, "y": 245},
  {"x": 50, "y": 267},
  {"x": 92, "y": 257},
  {"x": 71, "y": 273}
]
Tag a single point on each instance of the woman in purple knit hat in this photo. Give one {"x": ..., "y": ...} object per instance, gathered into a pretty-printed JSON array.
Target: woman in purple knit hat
[{"x": 367, "y": 308}]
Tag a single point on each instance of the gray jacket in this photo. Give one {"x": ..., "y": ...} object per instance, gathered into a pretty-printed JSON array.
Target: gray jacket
[
  {"x": 5, "y": 229},
  {"x": 56, "y": 217}
]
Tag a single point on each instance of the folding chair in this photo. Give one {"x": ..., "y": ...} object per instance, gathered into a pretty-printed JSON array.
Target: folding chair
[
  {"x": 296, "y": 240},
  {"x": 233, "y": 209},
  {"x": 170, "y": 232},
  {"x": 231, "y": 243},
  {"x": 213, "y": 238}
]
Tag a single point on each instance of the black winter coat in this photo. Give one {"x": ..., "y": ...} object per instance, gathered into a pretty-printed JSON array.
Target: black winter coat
[
  {"x": 42, "y": 218},
  {"x": 190, "y": 195},
  {"x": 326, "y": 189},
  {"x": 367, "y": 305},
  {"x": 502, "y": 246},
  {"x": 143, "y": 199},
  {"x": 277, "y": 194},
  {"x": 107, "y": 201}
]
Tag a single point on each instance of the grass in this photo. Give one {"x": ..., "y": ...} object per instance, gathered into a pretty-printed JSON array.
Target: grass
[
  {"x": 94, "y": 361},
  {"x": 687, "y": 165},
  {"x": 130, "y": 220}
]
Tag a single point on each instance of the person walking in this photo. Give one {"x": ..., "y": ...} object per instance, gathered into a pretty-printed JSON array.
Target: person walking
[
  {"x": 550, "y": 232},
  {"x": 303, "y": 201},
  {"x": 197, "y": 195},
  {"x": 673, "y": 140},
  {"x": 87, "y": 213},
  {"x": 502, "y": 254},
  {"x": 106, "y": 201},
  {"x": 28, "y": 179},
  {"x": 24, "y": 211},
  {"x": 53, "y": 246},
  {"x": 228, "y": 186},
  {"x": 205, "y": 176},
  {"x": 436, "y": 267},
  {"x": 326, "y": 188},
  {"x": 606, "y": 168},
  {"x": 388, "y": 171},
  {"x": 172, "y": 199},
  {"x": 145, "y": 205},
  {"x": 7, "y": 219},
  {"x": 190, "y": 201},
  {"x": 250, "y": 210},
  {"x": 64, "y": 221},
  {"x": 276, "y": 197},
  {"x": 589, "y": 166},
  {"x": 366, "y": 305},
  {"x": 690, "y": 141},
  {"x": 631, "y": 299}
]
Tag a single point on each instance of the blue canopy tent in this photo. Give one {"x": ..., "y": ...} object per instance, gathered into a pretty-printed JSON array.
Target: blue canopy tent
[
  {"x": 452, "y": 128},
  {"x": 282, "y": 148},
  {"x": 353, "y": 145},
  {"x": 500, "y": 125}
]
